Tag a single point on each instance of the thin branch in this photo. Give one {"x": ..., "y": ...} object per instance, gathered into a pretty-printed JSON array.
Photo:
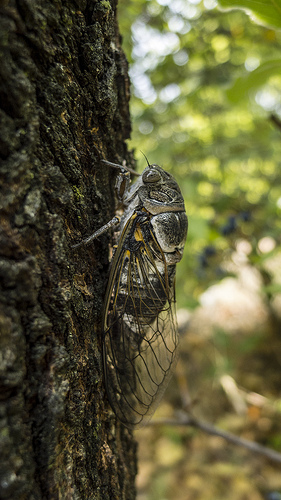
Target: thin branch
[{"x": 188, "y": 420}]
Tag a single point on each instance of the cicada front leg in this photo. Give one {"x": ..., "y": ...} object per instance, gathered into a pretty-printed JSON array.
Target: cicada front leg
[{"x": 123, "y": 179}]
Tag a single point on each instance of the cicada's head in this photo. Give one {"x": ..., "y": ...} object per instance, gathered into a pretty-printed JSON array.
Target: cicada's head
[{"x": 159, "y": 192}]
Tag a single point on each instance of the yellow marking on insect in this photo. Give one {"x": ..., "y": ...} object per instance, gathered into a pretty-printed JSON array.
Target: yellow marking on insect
[{"x": 138, "y": 234}]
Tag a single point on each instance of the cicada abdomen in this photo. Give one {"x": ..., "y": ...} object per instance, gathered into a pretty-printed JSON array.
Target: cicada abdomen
[{"x": 140, "y": 331}]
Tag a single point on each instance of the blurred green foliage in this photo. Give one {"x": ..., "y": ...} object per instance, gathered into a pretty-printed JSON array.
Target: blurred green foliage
[
  {"x": 206, "y": 105},
  {"x": 266, "y": 12}
]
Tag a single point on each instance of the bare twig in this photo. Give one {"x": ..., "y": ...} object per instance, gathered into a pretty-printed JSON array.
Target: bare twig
[{"x": 189, "y": 420}]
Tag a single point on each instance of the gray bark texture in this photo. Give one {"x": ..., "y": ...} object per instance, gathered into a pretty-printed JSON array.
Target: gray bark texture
[{"x": 64, "y": 93}]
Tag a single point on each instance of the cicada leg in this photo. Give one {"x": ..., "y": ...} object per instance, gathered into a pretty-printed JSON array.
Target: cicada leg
[
  {"x": 121, "y": 186},
  {"x": 113, "y": 222},
  {"x": 123, "y": 179}
]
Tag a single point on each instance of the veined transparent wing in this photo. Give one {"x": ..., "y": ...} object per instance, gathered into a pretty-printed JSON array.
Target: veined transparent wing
[{"x": 140, "y": 331}]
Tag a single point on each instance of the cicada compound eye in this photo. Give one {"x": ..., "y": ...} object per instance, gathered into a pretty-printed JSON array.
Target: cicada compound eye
[{"x": 151, "y": 175}]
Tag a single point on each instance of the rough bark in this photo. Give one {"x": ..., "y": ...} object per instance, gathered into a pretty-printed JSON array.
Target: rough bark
[{"x": 64, "y": 94}]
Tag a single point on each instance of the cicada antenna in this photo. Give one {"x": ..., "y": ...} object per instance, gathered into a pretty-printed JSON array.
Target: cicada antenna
[{"x": 148, "y": 164}]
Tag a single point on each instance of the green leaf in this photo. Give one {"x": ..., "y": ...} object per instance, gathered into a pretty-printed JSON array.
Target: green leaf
[
  {"x": 266, "y": 12},
  {"x": 253, "y": 80}
]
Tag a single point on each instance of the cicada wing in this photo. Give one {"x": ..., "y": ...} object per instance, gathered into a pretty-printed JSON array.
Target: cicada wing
[{"x": 141, "y": 339}]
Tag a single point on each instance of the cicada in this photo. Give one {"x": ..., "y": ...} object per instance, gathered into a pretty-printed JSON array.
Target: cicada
[{"x": 140, "y": 337}]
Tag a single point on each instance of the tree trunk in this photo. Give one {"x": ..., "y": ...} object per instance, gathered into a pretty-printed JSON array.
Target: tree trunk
[{"x": 64, "y": 93}]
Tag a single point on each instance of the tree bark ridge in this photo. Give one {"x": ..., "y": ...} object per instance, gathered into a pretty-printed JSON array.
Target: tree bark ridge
[{"x": 64, "y": 93}]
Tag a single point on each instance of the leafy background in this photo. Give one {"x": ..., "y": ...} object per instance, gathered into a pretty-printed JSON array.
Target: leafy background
[{"x": 206, "y": 105}]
